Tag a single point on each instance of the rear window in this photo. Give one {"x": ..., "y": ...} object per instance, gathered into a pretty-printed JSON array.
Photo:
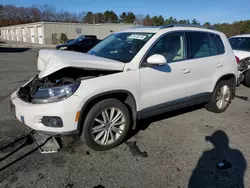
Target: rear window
[
  {"x": 240, "y": 43},
  {"x": 200, "y": 45}
]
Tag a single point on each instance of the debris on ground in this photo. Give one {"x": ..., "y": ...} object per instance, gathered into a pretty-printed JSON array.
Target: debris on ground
[{"x": 135, "y": 150}]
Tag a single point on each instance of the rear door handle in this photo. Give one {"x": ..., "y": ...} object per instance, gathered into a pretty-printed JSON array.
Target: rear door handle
[
  {"x": 186, "y": 71},
  {"x": 219, "y": 65}
]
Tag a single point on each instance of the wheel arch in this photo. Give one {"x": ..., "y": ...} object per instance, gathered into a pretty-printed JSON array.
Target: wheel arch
[
  {"x": 123, "y": 95},
  {"x": 230, "y": 77}
]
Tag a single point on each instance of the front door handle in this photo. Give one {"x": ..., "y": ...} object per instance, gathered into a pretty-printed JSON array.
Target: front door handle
[
  {"x": 219, "y": 65},
  {"x": 186, "y": 71}
]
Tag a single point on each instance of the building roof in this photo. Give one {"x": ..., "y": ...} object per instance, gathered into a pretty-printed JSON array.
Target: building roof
[{"x": 66, "y": 23}]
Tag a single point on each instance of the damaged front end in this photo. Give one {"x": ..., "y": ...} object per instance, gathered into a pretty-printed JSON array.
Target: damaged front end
[
  {"x": 56, "y": 86},
  {"x": 243, "y": 66}
]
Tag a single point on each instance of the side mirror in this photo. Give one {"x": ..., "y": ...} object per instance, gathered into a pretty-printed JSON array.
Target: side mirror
[{"x": 157, "y": 59}]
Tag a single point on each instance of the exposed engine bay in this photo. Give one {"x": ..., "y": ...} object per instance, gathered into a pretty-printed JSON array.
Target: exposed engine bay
[{"x": 68, "y": 77}]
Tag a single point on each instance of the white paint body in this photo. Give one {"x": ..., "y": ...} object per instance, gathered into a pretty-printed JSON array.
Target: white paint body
[{"x": 149, "y": 86}]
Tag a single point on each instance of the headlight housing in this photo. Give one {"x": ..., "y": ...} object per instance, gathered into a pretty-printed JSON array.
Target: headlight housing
[
  {"x": 63, "y": 48},
  {"x": 54, "y": 94}
]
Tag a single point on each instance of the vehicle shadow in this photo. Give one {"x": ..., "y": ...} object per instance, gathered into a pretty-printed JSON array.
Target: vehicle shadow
[
  {"x": 143, "y": 124},
  {"x": 15, "y": 147},
  {"x": 220, "y": 167},
  {"x": 13, "y": 50}
]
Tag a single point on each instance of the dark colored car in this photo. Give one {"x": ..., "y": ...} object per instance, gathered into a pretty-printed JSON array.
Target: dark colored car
[{"x": 81, "y": 44}]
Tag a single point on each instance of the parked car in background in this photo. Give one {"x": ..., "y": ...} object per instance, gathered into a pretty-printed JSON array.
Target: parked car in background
[
  {"x": 130, "y": 75},
  {"x": 241, "y": 48},
  {"x": 81, "y": 44}
]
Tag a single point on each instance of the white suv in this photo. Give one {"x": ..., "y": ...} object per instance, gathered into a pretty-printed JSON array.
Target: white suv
[{"x": 132, "y": 74}]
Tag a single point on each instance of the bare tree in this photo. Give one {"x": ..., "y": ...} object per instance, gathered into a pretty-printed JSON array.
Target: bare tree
[
  {"x": 139, "y": 19},
  {"x": 80, "y": 17},
  {"x": 48, "y": 12}
]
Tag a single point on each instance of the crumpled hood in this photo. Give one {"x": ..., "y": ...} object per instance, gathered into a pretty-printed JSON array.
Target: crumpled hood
[
  {"x": 241, "y": 54},
  {"x": 50, "y": 61}
]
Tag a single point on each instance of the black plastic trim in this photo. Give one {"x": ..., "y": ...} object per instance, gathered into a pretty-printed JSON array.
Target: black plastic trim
[
  {"x": 129, "y": 101},
  {"x": 175, "y": 104}
]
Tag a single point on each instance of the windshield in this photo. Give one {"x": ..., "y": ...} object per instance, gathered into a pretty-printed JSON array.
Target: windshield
[
  {"x": 121, "y": 46},
  {"x": 240, "y": 43},
  {"x": 77, "y": 40}
]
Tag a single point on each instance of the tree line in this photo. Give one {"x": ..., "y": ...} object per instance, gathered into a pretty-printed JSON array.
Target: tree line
[{"x": 12, "y": 15}]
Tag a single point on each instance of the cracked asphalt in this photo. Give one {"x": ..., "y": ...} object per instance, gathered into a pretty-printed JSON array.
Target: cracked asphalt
[{"x": 169, "y": 151}]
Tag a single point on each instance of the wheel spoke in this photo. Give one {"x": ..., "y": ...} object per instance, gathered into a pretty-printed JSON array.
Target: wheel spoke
[
  {"x": 117, "y": 117},
  {"x": 112, "y": 112},
  {"x": 221, "y": 103},
  {"x": 116, "y": 130},
  {"x": 104, "y": 117},
  {"x": 111, "y": 135},
  {"x": 98, "y": 128},
  {"x": 224, "y": 90},
  {"x": 107, "y": 115},
  {"x": 99, "y": 121},
  {"x": 99, "y": 135},
  {"x": 118, "y": 123},
  {"x": 104, "y": 138}
]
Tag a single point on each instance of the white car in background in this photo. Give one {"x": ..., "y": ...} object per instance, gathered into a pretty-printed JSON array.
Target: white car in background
[
  {"x": 130, "y": 75},
  {"x": 241, "y": 48}
]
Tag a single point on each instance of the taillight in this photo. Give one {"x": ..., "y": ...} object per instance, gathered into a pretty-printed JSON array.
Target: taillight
[{"x": 237, "y": 60}]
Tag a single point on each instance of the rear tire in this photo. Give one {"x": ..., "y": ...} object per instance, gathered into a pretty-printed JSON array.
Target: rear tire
[
  {"x": 106, "y": 125},
  {"x": 222, "y": 96},
  {"x": 246, "y": 81}
]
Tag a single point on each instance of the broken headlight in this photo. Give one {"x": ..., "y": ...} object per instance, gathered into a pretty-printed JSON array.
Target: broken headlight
[{"x": 54, "y": 94}]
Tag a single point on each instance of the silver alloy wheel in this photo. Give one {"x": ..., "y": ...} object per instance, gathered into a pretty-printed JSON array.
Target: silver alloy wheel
[
  {"x": 223, "y": 96},
  {"x": 108, "y": 126}
]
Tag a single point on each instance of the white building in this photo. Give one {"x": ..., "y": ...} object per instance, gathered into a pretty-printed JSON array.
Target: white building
[{"x": 49, "y": 32}]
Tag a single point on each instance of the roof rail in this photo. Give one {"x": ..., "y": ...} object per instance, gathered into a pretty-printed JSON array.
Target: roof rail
[{"x": 185, "y": 25}]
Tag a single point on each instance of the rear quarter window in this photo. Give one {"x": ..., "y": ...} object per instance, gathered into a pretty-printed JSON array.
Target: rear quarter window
[{"x": 219, "y": 45}]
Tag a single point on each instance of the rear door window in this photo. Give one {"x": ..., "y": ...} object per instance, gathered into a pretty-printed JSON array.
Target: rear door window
[{"x": 200, "y": 45}]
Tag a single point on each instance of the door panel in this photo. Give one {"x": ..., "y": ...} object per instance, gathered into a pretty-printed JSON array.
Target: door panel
[
  {"x": 202, "y": 61},
  {"x": 163, "y": 84},
  {"x": 201, "y": 72}
]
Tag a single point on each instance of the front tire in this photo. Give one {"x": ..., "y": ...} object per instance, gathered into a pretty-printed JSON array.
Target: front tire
[
  {"x": 221, "y": 98},
  {"x": 246, "y": 81},
  {"x": 107, "y": 124}
]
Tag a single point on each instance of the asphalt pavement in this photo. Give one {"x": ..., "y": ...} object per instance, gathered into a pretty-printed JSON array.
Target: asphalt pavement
[{"x": 168, "y": 151}]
